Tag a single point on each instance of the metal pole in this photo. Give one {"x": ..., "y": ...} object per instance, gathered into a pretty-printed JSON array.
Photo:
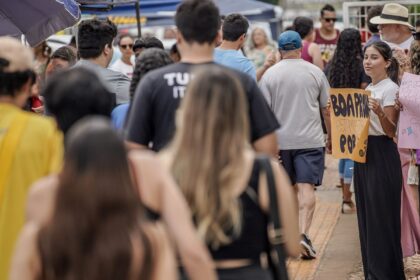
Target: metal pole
[{"x": 138, "y": 18}]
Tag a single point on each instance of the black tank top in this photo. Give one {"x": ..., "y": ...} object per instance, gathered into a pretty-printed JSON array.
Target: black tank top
[{"x": 252, "y": 240}]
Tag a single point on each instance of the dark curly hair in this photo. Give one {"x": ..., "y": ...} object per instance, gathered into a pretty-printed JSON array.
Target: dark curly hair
[
  {"x": 148, "y": 60},
  {"x": 346, "y": 66}
]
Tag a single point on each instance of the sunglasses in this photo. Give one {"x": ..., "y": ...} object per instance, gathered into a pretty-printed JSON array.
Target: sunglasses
[
  {"x": 129, "y": 46},
  {"x": 330, "y": 19},
  {"x": 416, "y": 35}
]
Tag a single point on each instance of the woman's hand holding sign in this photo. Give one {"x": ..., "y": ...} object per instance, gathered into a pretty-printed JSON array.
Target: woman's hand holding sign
[
  {"x": 388, "y": 116},
  {"x": 376, "y": 107}
]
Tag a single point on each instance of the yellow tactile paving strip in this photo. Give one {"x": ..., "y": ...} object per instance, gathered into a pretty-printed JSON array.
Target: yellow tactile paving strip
[{"x": 325, "y": 218}]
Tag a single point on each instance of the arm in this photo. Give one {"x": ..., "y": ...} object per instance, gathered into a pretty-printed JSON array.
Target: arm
[
  {"x": 324, "y": 103},
  {"x": 315, "y": 52},
  {"x": 388, "y": 116},
  {"x": 287, "y": 201},
  {"x": 26, "y": 262},
  {"x": 270, "y": 60},
  {"x": 327, "y": 121},
  {"x": 175, "y": 212},
  {"x": 162, "y": 252},
  {"x": 267, "y": 145},
  {"x": 159, "y": 192}
]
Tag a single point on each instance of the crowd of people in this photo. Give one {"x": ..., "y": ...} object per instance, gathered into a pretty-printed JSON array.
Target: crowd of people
[{"x": 158, "y": 165}]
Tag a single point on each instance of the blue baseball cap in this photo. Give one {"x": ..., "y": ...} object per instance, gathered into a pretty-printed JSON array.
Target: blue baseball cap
[{"x": 289, "y": 41}]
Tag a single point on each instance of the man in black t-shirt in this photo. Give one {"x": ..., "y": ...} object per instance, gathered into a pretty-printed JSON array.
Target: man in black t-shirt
[{"x": 152, "y": 115}]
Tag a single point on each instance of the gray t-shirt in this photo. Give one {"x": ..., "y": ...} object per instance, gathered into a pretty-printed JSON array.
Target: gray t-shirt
[
  {"x": 295, "y": 90},
  {"x": 116, "y": 82}
]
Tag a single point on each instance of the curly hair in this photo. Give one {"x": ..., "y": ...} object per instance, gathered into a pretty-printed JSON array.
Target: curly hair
[
  {"x": 346, "y": 66},
  {"x": 149, "y": 59},
  {"x": 415, "y": 57}
]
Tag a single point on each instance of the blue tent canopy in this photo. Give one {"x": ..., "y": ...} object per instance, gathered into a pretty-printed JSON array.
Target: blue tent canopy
[
  {"x": 161, "y": 12},
  {"x": 126, "y": 7}
]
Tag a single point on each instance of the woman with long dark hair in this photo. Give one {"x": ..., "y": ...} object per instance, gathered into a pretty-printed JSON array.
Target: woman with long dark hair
[
  {"x": 98, "y": 229},
  {"x": 213, "y": 162},
  {"x": 349, "y": 56},
  {"x": 378, "y": 182}
]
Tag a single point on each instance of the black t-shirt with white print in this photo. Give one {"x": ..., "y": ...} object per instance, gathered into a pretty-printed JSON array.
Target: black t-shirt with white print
[{"x": 152, "y": 113}]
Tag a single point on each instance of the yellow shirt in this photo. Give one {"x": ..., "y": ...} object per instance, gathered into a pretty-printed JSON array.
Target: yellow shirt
[{"x": 38, "y": 153}]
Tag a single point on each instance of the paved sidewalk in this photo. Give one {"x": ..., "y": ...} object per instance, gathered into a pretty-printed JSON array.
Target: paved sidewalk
[{"x": 336, "y": 238}]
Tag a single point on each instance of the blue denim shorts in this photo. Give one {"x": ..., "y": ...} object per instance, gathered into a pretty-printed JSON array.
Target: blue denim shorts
[{"x": 345, "y": 169}]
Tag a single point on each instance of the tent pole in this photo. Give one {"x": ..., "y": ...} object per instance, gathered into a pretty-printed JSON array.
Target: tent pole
[{"x": 138, "y": 19}]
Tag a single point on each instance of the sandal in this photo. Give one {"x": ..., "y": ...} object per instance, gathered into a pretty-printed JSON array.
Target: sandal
[{"x": 347, "y": 207}]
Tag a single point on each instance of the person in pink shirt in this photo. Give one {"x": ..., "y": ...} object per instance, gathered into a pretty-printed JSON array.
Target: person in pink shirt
[{"x": 310, "y": 50}]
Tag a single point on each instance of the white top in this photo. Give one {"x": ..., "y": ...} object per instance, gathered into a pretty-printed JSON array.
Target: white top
[
  {"x": 295, "y": 91},
  {"x": 122, "y": 67},
  {"x": 404, "y": 45},
  {"x": 385, "y": 92}
]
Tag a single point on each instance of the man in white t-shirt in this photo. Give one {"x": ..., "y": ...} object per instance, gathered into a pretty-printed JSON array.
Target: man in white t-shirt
[
  {"x": 296, "y": 90},
  {"x": 124, "y": 64},
  {"x": 394, "y": 27}
]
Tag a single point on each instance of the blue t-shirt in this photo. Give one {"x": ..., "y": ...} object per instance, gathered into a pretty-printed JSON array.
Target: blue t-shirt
[
  {"x": 118, "y": 115},
  {"x": 236, "y": 60}
]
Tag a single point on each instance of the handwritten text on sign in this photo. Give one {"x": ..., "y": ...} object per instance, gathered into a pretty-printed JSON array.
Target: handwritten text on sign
[
  {"x": 409, "y": 125},
  {"x": 349, "y": 123}
]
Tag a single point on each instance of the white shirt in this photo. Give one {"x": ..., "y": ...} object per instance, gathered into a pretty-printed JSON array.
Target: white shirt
[
  {"x": 122, "y": 67},
  {"x": 385, "y": 92},
  {"x": 404, "y": 45}
]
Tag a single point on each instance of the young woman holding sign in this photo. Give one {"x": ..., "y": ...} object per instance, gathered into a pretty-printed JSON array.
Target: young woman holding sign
[
  {"x": 348, "y": 55},
  {"x": 378, "y": 181}
]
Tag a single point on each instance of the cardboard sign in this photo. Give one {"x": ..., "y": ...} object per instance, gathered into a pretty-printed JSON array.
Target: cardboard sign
[
  {"x": 349, "y": 123},
  {"x": 409, "y": 125}
]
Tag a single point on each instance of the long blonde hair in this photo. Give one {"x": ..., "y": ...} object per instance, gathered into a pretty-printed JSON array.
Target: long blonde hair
[{"x": 208, "y": 148}]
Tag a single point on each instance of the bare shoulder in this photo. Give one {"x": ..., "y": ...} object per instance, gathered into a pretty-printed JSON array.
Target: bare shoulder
[
  {"x": 41, "y": 199},
  {"x": 43, "y": 186},
  {"x": 161, "y": 253},
  {"x": 313, "y": 46}
]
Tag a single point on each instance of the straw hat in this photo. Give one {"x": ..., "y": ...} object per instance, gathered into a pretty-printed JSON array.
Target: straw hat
[{"x": 392, "y": 14}]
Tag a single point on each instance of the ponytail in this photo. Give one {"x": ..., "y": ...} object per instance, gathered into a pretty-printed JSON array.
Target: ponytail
[{"x": 393, "y": 70}]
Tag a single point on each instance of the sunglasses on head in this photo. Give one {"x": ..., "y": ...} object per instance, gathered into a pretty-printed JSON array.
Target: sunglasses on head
[
  {"x": 330, "y": 19},
  {"x": 129, "y": 46},
  {"x": 416, "y": 35}
]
